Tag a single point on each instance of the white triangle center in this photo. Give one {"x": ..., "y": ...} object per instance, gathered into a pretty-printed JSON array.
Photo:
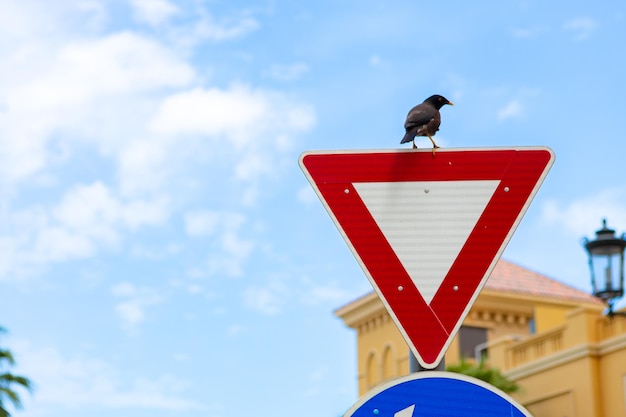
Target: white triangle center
[{"x": 427, "y": 222}]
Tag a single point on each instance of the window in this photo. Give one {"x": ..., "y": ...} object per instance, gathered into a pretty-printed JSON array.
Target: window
[
  {"x": 531, "y": 326},
  {"x": 471, "y": 338},
  {"x": 389, "y": 364},
  {"x": 372, "y": 376}
]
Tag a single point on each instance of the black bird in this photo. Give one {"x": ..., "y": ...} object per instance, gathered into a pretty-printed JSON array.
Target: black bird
[{"x": 424, "y": 120}]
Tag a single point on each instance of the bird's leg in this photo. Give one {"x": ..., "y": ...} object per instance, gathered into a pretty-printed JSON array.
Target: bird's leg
[
  {"x": 435, "y": 146},
  {"x": 414, "y": 146}
]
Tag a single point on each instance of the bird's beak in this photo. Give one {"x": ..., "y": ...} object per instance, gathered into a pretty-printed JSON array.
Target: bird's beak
[{"x": 450, "y": 103}]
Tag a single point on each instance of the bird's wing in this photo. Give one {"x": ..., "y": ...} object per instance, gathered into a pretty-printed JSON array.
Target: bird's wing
[{"x": 419, "y": 115}]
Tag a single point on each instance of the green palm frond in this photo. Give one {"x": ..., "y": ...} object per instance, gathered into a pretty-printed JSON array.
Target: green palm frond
[
  {"x": 6, "y": 356},
  {"x": 9, "y": 381}
]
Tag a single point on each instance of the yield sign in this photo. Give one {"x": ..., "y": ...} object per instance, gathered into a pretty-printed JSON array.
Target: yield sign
[{"x": 427, "y": 229}]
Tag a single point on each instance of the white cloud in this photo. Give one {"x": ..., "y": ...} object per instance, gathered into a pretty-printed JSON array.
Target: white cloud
[
  {"x": 274, "y": 295},
  {"x": 329, "y": 293},
  {"x": 241, "y": 133},
  {"x": 82, "y": 71},
  {"x": 90, "y": 210},
  {"x": 195, "y": 24},
  {"x": 512, "y": 109},
  {"x": 95, "y": 211},
  {"x": 32, "y": 19},
  {"x": 314, "y": 291},
  {"x": 211, "y": 112},
  {"x": 86, "y": 219},
  {"x": 89, "y": 90},
  {"x": 288, "y": 72},
  {"x": 130, "y": 111},
  {"x": 268, "y": 300},
  {"x": 70, "y": 382},
  {"x": 137, "y": 213},
  {"x": 234, "y": 252},
  {"x": 582, "y": 217},
  {"x": 229, "y": 250},
  {"x": 306, "y": 195},
  {"x": 251, "y": 165},
  {"x": 255, "y": 124},
  {"x": 142, "y": 166},
  {"x": 202, "y": 223},
  {"x": 236, "y": 330},
  {"x": 124, "y": 289},
  {"x": 529, "y": 32},
  {"x": 135, "y": 300},
  {"x": 121, "y": 93},
  {"x": 206, "y": 222},
  {"x": 153, "y": 12},
  {"x": 316, "y": 380},
  {"x": 231, "y": 28},
  {"x": 55, "y": 244},
  {"x": 376, "y": 61},
  {"x": 240, "y": 113},
  {"x": 581, "y": 28}
]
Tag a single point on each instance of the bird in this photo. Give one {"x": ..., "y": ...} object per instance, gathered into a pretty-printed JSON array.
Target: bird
[{"x": 424, "y": 120}]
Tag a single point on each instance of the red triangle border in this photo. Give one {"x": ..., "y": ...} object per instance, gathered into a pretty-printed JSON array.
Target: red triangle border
[{"x": 428, "y": 329}]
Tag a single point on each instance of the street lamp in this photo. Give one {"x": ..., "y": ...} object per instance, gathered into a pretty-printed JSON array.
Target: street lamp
[{"x": 606, "y": 262}]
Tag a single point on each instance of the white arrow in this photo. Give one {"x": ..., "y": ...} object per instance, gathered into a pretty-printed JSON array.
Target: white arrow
[{"x": 407, "y": 412}]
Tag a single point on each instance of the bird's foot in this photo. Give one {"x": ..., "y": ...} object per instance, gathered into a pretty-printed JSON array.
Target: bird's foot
[
  {"x": 414, "y": 145},
  {"x": 435, "y": 149},
  {"x": 433, "y": 141}
]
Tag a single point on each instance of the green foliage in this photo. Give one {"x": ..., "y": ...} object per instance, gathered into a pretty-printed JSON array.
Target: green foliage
[
  {"x": 8, "y": 381},
  {"x": 485, "y": 373}
]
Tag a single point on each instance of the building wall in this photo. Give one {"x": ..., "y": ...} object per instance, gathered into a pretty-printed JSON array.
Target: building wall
[
  {"x": 613, "y": 375},
  {"x": 563, "y": 390},
  {"x": 549, "y": 316},
  {"x": 569, "y": 359},
  {"x": 382, "y": 352},
  {"x": 577, "y": 368},
  {"x": 610, "y": 350}
]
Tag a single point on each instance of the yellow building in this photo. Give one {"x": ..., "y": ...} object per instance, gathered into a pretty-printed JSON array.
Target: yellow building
[{"x": 550, "y": 338}]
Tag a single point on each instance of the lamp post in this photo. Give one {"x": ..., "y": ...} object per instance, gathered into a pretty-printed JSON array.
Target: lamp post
[{"x": 606, "y": 263}]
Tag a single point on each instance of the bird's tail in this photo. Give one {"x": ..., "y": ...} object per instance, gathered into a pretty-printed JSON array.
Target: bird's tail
[{"x": 408, "y": 137}]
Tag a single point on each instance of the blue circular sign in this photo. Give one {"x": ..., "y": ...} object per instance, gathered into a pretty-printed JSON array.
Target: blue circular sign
[{"x": 437, "y": 394}]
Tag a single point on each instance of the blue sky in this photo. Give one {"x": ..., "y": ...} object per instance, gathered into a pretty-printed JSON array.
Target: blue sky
[{"x": 161, "y": 253}]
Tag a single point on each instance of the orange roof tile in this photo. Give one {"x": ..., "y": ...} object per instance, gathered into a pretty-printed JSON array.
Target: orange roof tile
[{"x": 508, "y": 277}]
